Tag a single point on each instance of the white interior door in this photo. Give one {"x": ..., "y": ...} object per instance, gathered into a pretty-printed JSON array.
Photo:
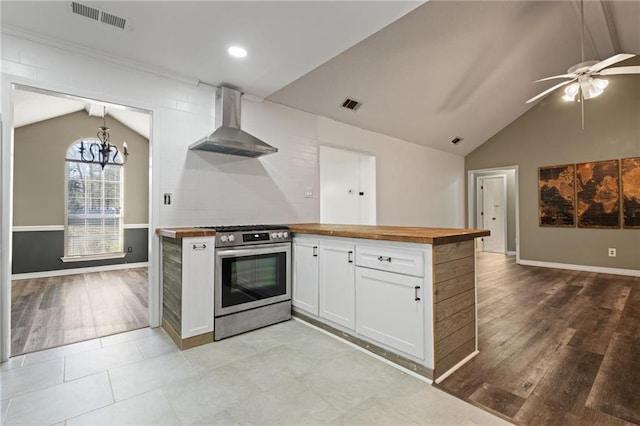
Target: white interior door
[
  {"x": 347, "y": 187},
  {"x": 493, "y": 212}
]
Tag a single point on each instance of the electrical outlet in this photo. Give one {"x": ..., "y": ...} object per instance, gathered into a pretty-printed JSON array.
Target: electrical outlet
[{"x": 612, "y": 252}]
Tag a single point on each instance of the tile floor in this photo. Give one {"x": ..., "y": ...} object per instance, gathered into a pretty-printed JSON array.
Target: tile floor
[{"x": 285, "y": 374}]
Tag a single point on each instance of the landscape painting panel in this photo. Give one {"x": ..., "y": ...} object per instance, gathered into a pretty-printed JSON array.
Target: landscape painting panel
[
  {"x": 631, "y": 193},
  {"x": 598, "y": 194},
  {"x": 556, "y": 185}
]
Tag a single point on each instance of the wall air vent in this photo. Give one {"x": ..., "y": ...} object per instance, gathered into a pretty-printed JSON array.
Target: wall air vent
[
  {"x": 99, "y": 15},
  {"x": 350, "y": 103}
]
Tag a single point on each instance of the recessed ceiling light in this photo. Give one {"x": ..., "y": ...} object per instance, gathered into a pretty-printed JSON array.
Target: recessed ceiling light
[{"x": 237, "y": 52}]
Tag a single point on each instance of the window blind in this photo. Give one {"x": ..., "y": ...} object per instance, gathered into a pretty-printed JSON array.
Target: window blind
[{"x": 93, "y": 208}]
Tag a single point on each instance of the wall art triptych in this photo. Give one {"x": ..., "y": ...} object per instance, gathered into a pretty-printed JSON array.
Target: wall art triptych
[{"x": 590, "y": 195}]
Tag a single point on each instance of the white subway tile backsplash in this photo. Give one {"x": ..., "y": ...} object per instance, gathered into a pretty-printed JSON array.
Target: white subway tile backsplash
[{"x": 212, "y": 188}]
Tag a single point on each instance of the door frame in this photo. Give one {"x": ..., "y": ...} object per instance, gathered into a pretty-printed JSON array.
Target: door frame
[
  {"x": 8, "y": 84},
  {"x": 480, "y": 200},
  {"x": 472, "y": 194}
]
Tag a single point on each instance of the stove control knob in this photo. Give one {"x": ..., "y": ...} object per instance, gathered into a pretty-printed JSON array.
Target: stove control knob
[
  {"x": 285, "y": 234},
  {"x": 280, "y": 235},
  {"x": 232, "y": 238},
  {"x": 274, "y": 235},
  {"x": 224, "y": 238}
]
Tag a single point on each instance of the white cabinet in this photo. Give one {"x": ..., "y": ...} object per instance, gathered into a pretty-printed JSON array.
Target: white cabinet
[
  {"x": 197, "y": 293},
  {"x": 390, "y": 309},
  {"x": 305, "y": 275},
  {"x": 337, "y": 283},
  {"x": 187, "y": 287}
]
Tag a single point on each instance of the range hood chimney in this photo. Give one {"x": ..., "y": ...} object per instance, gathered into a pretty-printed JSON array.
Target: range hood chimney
[{"x": 227, "y": 138}]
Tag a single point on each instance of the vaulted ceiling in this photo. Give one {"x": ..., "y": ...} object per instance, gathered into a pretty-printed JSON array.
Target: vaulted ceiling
[{"x": 425, "y": 73}]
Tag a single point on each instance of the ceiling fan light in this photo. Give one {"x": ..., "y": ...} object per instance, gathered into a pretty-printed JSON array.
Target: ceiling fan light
[
  {"x": 571, "y": 91},
  {"x": 600, "y": 83}
]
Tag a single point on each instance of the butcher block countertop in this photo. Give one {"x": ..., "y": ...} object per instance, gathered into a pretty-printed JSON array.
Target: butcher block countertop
[
  {"x": 178, "y": 233},
  {"x": 435, "y": 236},
  {"x": 407, "y": 234}
]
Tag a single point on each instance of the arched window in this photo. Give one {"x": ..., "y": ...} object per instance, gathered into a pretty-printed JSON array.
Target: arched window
[{"x": 94, "y": 214}]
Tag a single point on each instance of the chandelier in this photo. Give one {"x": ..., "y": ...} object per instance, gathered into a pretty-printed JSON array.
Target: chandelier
[{"x": 103, "y": 153}]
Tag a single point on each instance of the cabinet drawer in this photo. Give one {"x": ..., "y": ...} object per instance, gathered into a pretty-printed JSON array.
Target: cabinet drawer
[{"x": 391, "y": 259}]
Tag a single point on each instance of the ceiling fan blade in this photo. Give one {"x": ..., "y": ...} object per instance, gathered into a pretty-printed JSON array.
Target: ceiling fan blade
[
  {"x": 546, "y": 92},
  {"x": 621, "y": 70},
  {"x": 556, "y": 76},
  {"x": 610, "y": 61}
]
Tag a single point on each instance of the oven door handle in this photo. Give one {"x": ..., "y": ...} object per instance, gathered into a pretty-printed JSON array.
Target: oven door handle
[{"x": 253, "y": 250}]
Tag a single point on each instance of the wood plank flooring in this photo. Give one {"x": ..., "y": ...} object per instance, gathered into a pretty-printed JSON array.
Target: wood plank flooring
[
  {"x": 54, "y": 311},
  {"x": 556, "y": 347}
]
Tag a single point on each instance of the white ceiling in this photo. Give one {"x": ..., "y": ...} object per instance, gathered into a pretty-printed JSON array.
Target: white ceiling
[
  {"x": 33, "y": 106},
  {"x": 446, "y": 69}
]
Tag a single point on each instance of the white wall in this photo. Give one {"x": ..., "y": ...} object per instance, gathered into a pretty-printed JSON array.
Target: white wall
[{"x": 416, "y": 185}]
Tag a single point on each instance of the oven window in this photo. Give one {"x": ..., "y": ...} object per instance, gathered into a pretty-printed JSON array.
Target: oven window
[{"x": 249, "y": 278}]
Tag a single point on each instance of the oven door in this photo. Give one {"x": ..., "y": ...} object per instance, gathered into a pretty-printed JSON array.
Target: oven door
[{"x": 252, "y": 276}]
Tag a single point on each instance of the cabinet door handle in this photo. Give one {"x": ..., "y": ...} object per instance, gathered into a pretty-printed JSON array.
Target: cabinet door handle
[
  {"x": 315, "y": 251},
  {"x": 199, "y": 246},
  {"x": 415, "y": 292},
  {"x": 384, "y": 259},
  {"x": 350, "y": 256}
]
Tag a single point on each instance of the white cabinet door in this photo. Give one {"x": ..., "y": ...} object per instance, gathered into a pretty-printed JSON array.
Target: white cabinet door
[
  {"x": 305, "y": 275},
  {"x": 197, "y": 286},
  {"x": 337, "y": 283},
  {"x": 388, "y": 312}
]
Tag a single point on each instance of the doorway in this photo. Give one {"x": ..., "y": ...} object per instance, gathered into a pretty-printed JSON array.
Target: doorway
[
  {"x": 347, "y": 187},
  {"x": 59, "y": 296},
  {"x": 496, "y": 182},
  {"x": 492, "y": 205}
]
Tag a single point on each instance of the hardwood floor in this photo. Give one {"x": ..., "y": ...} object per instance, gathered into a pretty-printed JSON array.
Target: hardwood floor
[
  {"x": 556, "y": 347},
  {"x": 54, "y": 311}
]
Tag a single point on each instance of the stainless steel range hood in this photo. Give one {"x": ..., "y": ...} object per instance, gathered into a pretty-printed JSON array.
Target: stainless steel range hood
[{"x": 227, "y": 138}]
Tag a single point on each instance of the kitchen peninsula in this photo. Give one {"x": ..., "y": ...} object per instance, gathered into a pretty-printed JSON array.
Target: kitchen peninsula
[{"x": 405, "y": 293}]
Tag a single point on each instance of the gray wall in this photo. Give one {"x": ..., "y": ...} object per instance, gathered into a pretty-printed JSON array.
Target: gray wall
[
  {"x": 550, "y": 133},
  {"x": 38, "y": 194},
  {"x": 38, "y": 251},
  {"x": 40, "y": 150}
]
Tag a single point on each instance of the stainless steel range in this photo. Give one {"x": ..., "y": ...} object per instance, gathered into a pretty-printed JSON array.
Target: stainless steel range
[{"x": 252, "y": 278}]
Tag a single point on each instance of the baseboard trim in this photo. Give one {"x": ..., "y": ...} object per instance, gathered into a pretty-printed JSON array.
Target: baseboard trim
[
  {"x": 74, "y": 271},
  {"x": 189, "y": 342},
  {"x": 511, "y": 253},
  {"x": 585, "y": 268},
  {"x": 455, "y": 367}
]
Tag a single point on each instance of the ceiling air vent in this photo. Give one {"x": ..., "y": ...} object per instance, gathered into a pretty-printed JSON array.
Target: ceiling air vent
[
  {"x": 84, "y": 10},
  {"x": 350, "y": 103},
  {"x": 114, "y": 20},
  {"x": 99, "y": 15}
]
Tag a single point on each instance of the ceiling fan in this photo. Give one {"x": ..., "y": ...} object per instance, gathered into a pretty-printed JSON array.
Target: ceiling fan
[{"x": 583, "y": 78}]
